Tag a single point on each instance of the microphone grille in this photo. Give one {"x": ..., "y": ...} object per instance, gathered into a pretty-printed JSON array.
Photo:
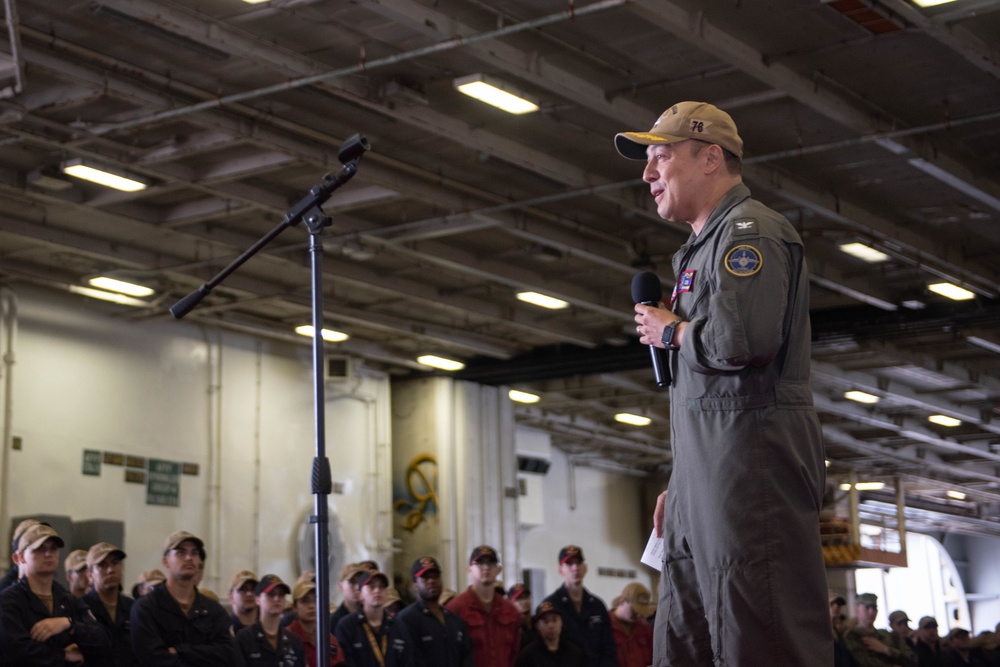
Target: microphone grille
[{"x": 646, "y": 287}]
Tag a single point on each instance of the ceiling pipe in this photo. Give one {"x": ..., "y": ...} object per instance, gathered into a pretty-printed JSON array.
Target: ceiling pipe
[
  {"x": 365, "y": 66},
  {"x": 14, "y": 34},
  {"x": 837, "y": 436}
]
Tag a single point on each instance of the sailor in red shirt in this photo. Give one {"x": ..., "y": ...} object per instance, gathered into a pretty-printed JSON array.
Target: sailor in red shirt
[
  {"x": 493, "y": 620},
  {"x": 633, "y": 634}
]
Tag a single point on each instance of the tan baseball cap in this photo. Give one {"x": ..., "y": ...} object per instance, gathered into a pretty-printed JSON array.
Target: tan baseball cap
[
  {"x": 102, "y": 550},
  {"x": 34, "y": 536},
  {"x": 639, "y": 597},
  {"x": 179, "y": 536},
  {"x": 682, "y": 121},
  {"x": 242, "y": 577},
  {"x": 151, "y": 577},
  {"x": 19, "y": 531},
  {"x": 302, "y": 588},
  {"x": 75, "y": 561}
]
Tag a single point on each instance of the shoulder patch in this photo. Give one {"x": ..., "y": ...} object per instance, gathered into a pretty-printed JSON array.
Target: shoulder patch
[
  {"x": 744, "y": 260},
  {"x": 745, "y": 227}
]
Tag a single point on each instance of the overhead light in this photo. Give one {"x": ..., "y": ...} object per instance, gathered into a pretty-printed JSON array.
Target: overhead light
[
  {"x": 440, "y": 362},
  {"x": 634, "y": 420},
  {"x": 102, "y": 176},
  {"x": 542, "y": 300},
  {"x": 931, "y": 3},
  {"x": 522, "y": 396},
  {"x": 120, "y": 286},
  {"x": 255, "y": 2},
  {"x": 983, "y": 343},
  {"x": 108, "y": 296},
  {"x": 944, "y": 420},
  {"x": 864, "y": 252},
  {"x": 861, "y": 396},
  {"x": 864, "y": 486},
  {"x": 329, "y": 335},
  {"x": 951, "y": 291},
  {"x": 956, "y": 495},
  {"x": 495, "y": 92}
]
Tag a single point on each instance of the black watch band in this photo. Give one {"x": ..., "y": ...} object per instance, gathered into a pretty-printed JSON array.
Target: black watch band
[{"x": 668, "y": 335}]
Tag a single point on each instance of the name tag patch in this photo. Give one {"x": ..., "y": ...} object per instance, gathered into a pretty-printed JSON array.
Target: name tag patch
[{"x": 685, "y": 282}]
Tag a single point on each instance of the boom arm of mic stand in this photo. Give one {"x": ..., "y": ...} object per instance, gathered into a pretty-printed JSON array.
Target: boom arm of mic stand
[{"x": 317, "y": 197}]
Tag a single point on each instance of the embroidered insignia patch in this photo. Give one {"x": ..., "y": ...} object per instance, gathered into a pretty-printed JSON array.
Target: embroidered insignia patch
[{"x": 743, "y": 261}]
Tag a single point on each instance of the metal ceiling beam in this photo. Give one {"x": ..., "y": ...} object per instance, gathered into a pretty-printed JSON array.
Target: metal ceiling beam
[
  {"x": 958, "y": 39},
  {"x": 904, "y": 427},
  {"x": 695, "y": 29},
  {"x": 842, "y": 439},
  {"x": 881, "y": 386},
  {"x": 924, "y": 252},
  {"x": 531, "y": 67}
]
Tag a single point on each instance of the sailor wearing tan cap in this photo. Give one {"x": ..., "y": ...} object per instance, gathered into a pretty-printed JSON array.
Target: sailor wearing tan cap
[
  {"x": 304, "y": 624},
  {"x": 743, "y": 575},
  {"x": 41, "y": 624},
  {"x": 106, "y": 602},
  {"x": 633, "y": 634},
  {"x": 77, "y": 574},
  {"x": 174, "y": 624},
  {"x": 14, "y": 573}
]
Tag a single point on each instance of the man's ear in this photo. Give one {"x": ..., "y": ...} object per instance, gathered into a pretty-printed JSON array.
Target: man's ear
[{"x": 715, "y": 158}]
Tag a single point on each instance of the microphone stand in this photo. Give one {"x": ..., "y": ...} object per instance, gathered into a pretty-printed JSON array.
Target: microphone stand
[{"x": 308, "y": 209}]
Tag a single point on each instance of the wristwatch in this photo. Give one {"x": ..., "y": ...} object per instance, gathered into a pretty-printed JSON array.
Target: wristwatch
[{"x": 668, "y": 335}]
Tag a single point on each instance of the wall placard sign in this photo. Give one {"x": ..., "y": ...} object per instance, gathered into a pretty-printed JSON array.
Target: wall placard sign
[
  {"x": 92, "y": 462},
  {"x": 163, "y": 483}
]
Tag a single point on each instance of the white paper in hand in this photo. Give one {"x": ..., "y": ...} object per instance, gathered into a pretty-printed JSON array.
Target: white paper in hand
[{"x": 653, "y": 555}]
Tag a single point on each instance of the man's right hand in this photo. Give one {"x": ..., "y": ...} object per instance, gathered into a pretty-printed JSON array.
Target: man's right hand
[{"x": 661, "y": 504}]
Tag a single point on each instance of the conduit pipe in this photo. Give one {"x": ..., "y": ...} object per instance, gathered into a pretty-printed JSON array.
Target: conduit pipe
[
  {"x": 364, "y": 66},
  {"x": 14, "y": 34},
  {"x": 8, "y": 311}
]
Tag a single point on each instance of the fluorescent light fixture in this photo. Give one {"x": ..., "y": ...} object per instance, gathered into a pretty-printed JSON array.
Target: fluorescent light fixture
[
  {"x": 861, "y": 396},
  {"x": 951, "y": 291},
  {"x": 440, "y": 362},
  {"x": 864, "y": 252},
  {"x": 120, "y": 286},
  {"x": 542, "y": 300},
  {"x": 956, "y": 495},
  {"x": 864, "y": 486},
  {"x": 931, "y": 3},
  {"x": 108, "y": 296},
  {"x": 522, "y": 396},
  {"x": 634, "y": 420},
  {"x": 944, "y": 420},
  {"x": 329, "y": 335},
  {"x": 255, "y": 2},
  {"x": 88, "y": 172},
  {"x": 495, "y": 93}
]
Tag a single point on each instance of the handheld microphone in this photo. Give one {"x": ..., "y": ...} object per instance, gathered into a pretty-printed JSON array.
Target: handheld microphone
[{"x": 646, "y": 289}]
